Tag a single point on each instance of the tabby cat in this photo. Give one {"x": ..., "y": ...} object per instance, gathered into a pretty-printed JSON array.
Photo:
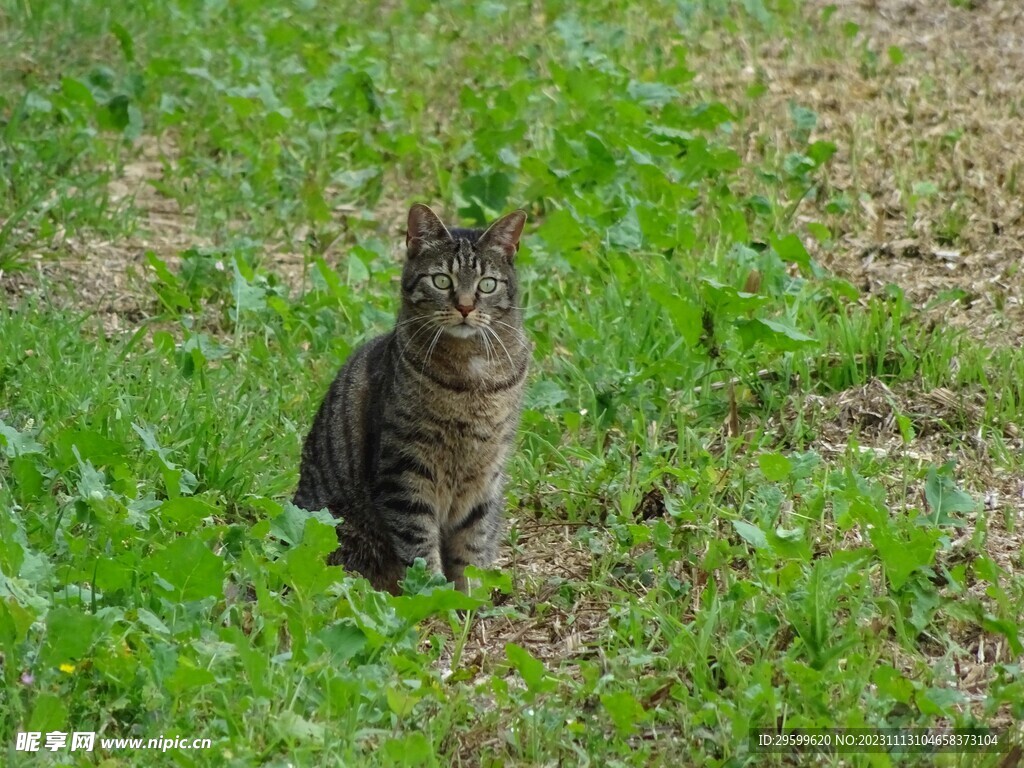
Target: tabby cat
[{"x": 410, "y": 443}]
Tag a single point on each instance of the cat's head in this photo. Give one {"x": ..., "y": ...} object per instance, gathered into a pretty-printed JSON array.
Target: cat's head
[{"x": 461, "y": 280}]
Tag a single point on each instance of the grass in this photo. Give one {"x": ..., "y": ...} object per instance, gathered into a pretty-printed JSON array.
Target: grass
[{"x": 770, "y": 466}]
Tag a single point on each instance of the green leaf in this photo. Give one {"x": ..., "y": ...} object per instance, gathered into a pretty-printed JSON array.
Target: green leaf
[
  {"x": 356, "y": 178},
  {"x": 544, "y": 394},
  {"x": 925, "y": 189},
  {"x": 790, "y": 543},
  {"x": 709, "y": 116},
  {"x": 34, "y": 102},
  {"x": 410, "y": 749},
  {"x": 92, "y": 484},
  {"x": 489, "y": 580},
  {"x": 293, "y": 727},
  {"x": 305, "y": 567},
  {"x": 625, "y": 711},
  {"x": 729, "y": 301},
  {"x": 892, "y": 684},
  {"x": 344, "y": 640},
  {"x": 532, "y": 671},
  {"x": 124, "y": 38},
  {"x": 937, "y": 702},
  {"x": 626, "y": 233},
  {"x": 415, "y": 608},
  {"x": 902, "y": 556},
  {"x": 1008, "y": 628},
  {"x": 290, "y": 523},
  {"x": 17, "y": 443},
  {"x": 820, "y": 152},
  {"x": 485, "y": 195},
  {"x": 185, "y": 512},
  {"x": 150, "y": 442},
  {"x": 28, "y": 479},
  {"x": 641, "y": 158},
  {"x": 774, "y": 466},
  {"x": 773, "y": 334},
  {"x": 50, "y": 713},
  {"x": 945, "y": 499},
  {"x": 986, "y": 569},
  {"x": 15, "y": 620},
  {"x": 78, "y": 92},
  {"x": 187, "y": 676},
  {"x": 906, "y": 427},
  {"x": 418, "y": 578},
  {"x": 152, "y": 622},
  {"x": 312, "y": 197},
  {"x": 651, "y": 94},
  {"x": 205, "y": 347},
  {"x": 400, "y": 701},
  {"x": 791, "y": 249},
  {"x": 685, "y": 315},
  {"x": 950, "y": 296},
  {"x": 92, "y": 446},
  {"x": 674, "y": 135},
  {"x": 248, "y": 295},
  {"x": 357, "y": 274},
  {"x": 751, "y": 534},
  {"x": 804, "y": 121},
  {"x": 122, "y": 115},
  {"x": 561, "y": 231},
  {"x": 70, "y": 634},
  {"x": 191, "y": 570},
  {"x": 819, "y": 231}
]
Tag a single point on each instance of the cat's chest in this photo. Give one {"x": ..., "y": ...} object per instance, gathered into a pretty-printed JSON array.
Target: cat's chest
[
  {"x": 466, "y": 422},
  {"x": 478, "y": 367},
  {"x": 478, "y": 373},
  {"x": 473, "y": 430},
  {"x": 468, "y": 408}
]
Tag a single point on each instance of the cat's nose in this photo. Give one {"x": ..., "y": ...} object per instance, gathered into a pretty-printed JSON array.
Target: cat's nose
[{"x": 465, "y": 310}]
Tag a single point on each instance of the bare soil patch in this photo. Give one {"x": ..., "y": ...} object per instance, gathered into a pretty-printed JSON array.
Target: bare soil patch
[
  {"x": 929, "y": 156},
  {"x": 947, "y": 426},
  {"x": 107, "y": 277},
  {"x": 110, "y": 278},
  {"x": 546, "y": 558}
]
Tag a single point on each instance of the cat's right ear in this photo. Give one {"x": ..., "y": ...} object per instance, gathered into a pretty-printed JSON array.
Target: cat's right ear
[{"x": 424, "y": 227}]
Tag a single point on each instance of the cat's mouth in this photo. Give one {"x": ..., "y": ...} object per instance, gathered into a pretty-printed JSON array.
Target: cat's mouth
[{"x": 462, "y": 330}]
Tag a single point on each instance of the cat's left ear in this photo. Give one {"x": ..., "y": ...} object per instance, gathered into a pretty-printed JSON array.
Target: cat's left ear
[
  {"x": 504, "y": 234},
  {"x": 424, "y": 227}
]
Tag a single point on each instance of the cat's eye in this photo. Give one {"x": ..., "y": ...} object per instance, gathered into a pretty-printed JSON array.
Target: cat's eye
[
  {"x": 442, "y": 282},
  {"x": 487, "y": 285}
]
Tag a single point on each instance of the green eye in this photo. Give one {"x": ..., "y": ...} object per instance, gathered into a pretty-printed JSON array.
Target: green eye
[
  {"x": 487, "y": 285},
  {"x": 442, "y": 282}
]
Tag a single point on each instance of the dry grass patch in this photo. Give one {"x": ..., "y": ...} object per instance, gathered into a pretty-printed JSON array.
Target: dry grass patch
[
  {"x": 947, "y": 426},
  {"x": 107, "y": 277},
  {"x": 924, "y": 106}
]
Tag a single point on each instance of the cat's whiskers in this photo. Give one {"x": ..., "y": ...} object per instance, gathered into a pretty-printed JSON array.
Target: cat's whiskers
[
  {"x": 519, "y": 333},
  {"x": 418, "y": 318},
  {"x": 430, "y": 349},
  {"x": 485, "y": 321},
  {"x": 428, "y": 324},
  {"x": 425, "y": 324},
  {"x": 497, "y": 338},
  {"x": 488, "y": 347}
]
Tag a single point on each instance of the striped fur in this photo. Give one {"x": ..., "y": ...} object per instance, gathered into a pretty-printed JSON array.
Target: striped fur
[{"x": 410, "y": 443}]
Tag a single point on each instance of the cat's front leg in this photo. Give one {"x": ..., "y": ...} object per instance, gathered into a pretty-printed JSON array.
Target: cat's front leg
[
  {"x": 472, "y": 539},
  {"x": 411, "y": 524}
]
